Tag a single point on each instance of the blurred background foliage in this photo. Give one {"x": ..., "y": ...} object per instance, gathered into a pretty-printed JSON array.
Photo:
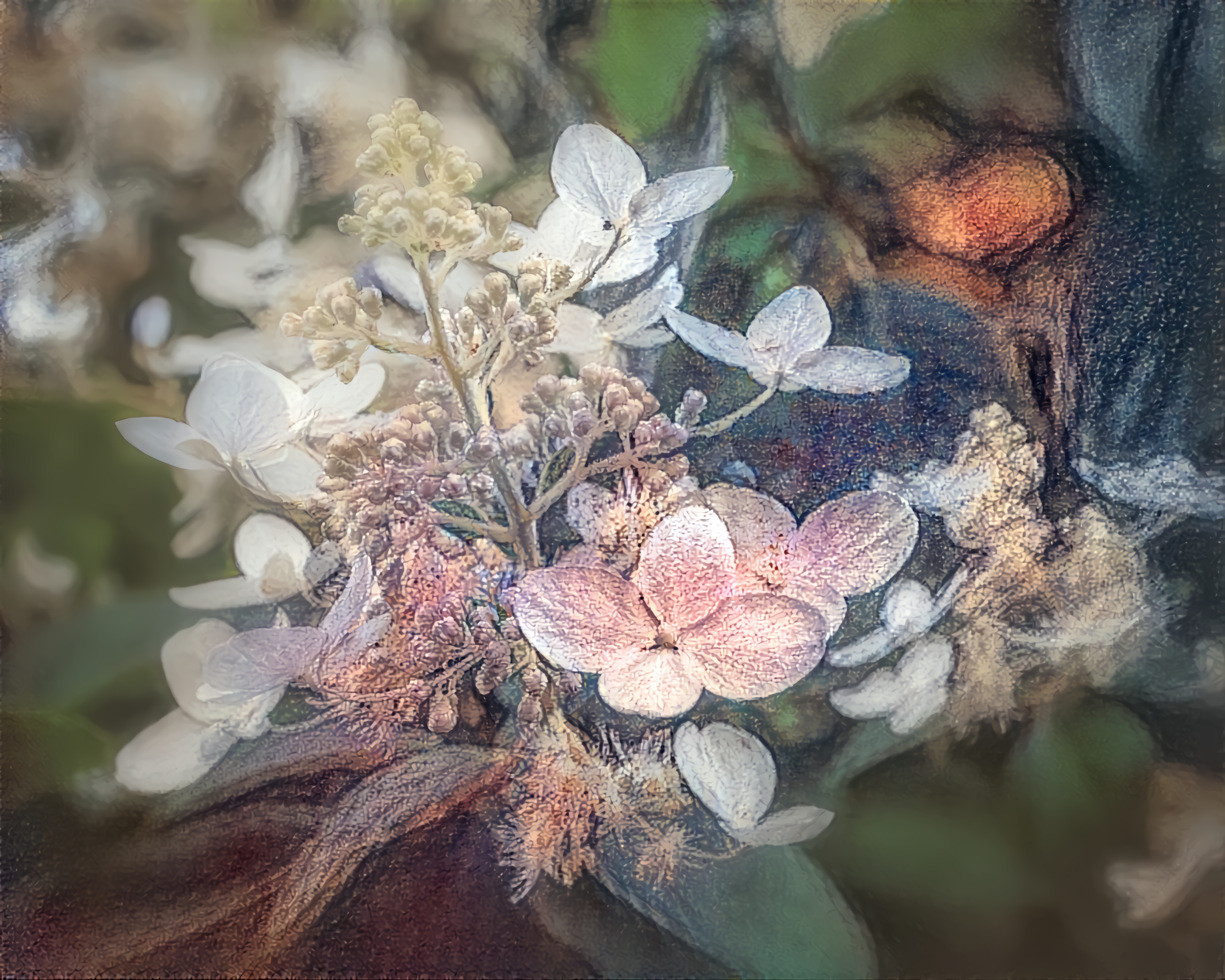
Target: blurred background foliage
[{"x": 977, "y": 858}]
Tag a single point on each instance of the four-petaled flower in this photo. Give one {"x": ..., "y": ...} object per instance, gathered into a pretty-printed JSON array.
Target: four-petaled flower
[
  {"x": 784, "y": 348},
  {"x": 680, "y": 626}
]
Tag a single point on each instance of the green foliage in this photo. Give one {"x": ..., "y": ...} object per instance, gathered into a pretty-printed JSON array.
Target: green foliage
[{"x": 44, "y": 749}]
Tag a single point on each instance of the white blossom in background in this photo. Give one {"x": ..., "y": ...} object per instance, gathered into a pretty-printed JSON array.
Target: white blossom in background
[
  {"x": 784, "y": 347},
  {"x": 226, "y": 684},
  {"x": 679, "y": 627},
  {"x": 1164, "y": 484},
  {"x": 151, "y": 322},
  {"x": 906, "y": 695},
  {"x": 271, "y": 555},
  {"x": 587, "y": 337},
  {"x": 248, "y": 419},
  {"x": 734, "y": 775},
  {"x": 907, "y": 612}
]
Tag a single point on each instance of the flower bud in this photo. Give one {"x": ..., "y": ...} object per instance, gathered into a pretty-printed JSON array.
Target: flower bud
[{"x": 443, "y": 714}]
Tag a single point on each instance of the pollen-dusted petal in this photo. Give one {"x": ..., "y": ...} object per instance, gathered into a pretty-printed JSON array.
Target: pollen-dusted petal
[
  {"x": 860, "y": 541},
  {"x": 659, "y": 682},
  {"x": 582, "y": 618},
  {"x": 754, "y": 520},
  {"x": 753, "y": 646},
  {"x": 686, "y": 566}
]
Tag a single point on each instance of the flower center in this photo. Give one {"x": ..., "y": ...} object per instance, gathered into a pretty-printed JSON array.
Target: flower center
[{"x": 666, "y": 636}]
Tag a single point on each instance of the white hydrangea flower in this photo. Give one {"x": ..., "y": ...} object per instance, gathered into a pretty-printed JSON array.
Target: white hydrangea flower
[
  {"x": 906, "y": 695},
  {"x": 734, "y": 775},
  {"x": 589, "y": 338},
  {"x": 785, "y": 347},
  {"x": 271, "y": 555},
  {"x": 246, "y": 418}
]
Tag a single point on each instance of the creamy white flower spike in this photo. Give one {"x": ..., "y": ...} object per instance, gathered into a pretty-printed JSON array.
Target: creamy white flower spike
[
  {"x": 907, "y": 612},
  {"x": 734, "y": 775},
  {"x": 271, "y": 555},
  {"x": 1164, "y": 484},
  {"x": 246, "y": 418},
  {"x": 784, "y": 347},
  {"x": 586, "y": 337},
  {"x": 679, "y": 627},
  {"x": 907, "y": 695}
]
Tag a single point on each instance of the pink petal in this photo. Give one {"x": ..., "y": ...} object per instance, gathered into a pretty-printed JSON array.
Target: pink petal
[
  {"x": 582, "y": 618},
  {"x": 658, "y": 683},
  {"x": 754, "y": 520},
  {"x": 858, "y": 542},
  {"x": 686, "y": 566},
  {"x": 756, "y": 645},
  {"x": 816, "y": 593}
]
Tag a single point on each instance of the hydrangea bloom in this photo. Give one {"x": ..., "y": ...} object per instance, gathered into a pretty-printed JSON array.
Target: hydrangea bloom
[
  {"x": 678, "y": 627},
  {"x": 589, "y": 338},
  {"x": 785, "y": 347},
  {"x": 906, "y": 695}
]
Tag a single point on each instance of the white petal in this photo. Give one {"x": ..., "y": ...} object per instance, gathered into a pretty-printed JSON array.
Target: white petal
[
  {"x": 874, "y": 697},
  {"x": 262, "y": 537},
  {"x": 562, "y": 233},
  {"x": 151, "y": 322},
  {"x": 239, "y": 278},
  {"x": 186, "y": 355},
  {"x": 397, "y": 277},
  {"x": 1166, "y": 484},
  {"x": 646, "y": 309},
  {"x": 655, "y": 683},
  {"x": 850, "y": 370},
  {"x": 269, "y": 193},
  {"x": 580, "y": 335},
  {"x": 909, "y": 694},
  {"x": 866, "y": 650},
  {"x": 679, "y": 196},
  {"x": 286, "y": 474},
  {"x": 790, "y": 826},
  {"x": 165, "y": 440},
  {"x": 170, "y": 754},
  {"x": 792, "y": 324},
  {"x": 597, "y": 172},
  {"x": 183, "y": 657},
  {"x": 346, "y": 611},
  {"x": 637, "y": 253},
  {"x": 333, "y": 400},
  {"x": 226, "y": 593},
  {"x": 242, "y": 407},
  {"x": 252, "y": 664},
  {"x": 712, "y": 340},
  {"x": 686, "y": 566},
  {"x": 908, "y": 608},
  {"x": 355, "y": 643},
  {"x": 730, "y": 770}
]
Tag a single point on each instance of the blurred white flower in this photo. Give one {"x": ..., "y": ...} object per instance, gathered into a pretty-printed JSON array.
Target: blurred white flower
[
  {"x": 185, "y": 356},
  {"x": 908, "y": 694},
  {"x": 240, "y": 278},
  {"x": 734, "y": 775},
  {"x": 151, "y": 322},
  {"x": 246, "y": 418},
  {"x": 785, "y": 347},
  {"x": 589, "y": 338},
  {"x": 679, "y": 627},
  {"x": 30, "y": 316},
  {"x": 270, "y": 193},
  {"x": 271, "y": 555},
  {"x": 1165, "y": 484},
  {"x": 211, "y": 501}
]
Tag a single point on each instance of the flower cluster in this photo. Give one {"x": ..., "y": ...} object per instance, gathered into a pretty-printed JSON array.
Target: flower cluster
[{"x": 340, "y": 326}]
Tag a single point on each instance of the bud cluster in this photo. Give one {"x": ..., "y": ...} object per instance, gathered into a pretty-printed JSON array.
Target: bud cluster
[
  {"x": 418, "y": 199},
  {"x": 525, "y": 317},
  {"x": 340, "y": 326},
  {"x": 689, "y": 411}
]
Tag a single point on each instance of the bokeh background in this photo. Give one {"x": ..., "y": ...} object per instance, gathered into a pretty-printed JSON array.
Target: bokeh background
[{"x": 1024, "y": 197}]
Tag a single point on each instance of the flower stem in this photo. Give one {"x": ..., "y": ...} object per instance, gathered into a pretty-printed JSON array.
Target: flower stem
[{"x": 721, "y": 425}]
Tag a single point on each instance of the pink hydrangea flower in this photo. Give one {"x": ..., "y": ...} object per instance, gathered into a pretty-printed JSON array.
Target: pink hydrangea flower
[
  {"x": 678, "y": 626},
  {"x": 845, "y": 547}
]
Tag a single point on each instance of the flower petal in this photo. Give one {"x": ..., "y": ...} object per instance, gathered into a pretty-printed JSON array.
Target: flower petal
[
  {"x": 656, "y": 682},
  {"x": 261, "y": 537},
  {"x": 679, "y": 196},
  {"x": 637, "y": 253},
  {"x": 754, "y": 520},
  {"x": 908, "y": 608},
  {"x": 580, "y": 335},
  {"x": 286, "y": 474},
  {"x": 866, "y": 650},
  {"x": 334, "y": 400},
  {"x": 252, "y": 664},
  {"x": 792, "y": 324},
  {"x": 164, "y": 440},
  {"x": 646, "y": 309},
  {"x": 346, "y": 611},
  {"x": 849, "y": 370},
  {"x": 242, "y": 407},
  {"x": 225, "y": 593},
  {"x": 170, "y": 754},
  {"x": 753, "y": 646},
  {"x": 238, "y": 278},
  {"x": 712, "y": 340},
  {"x": 183, "y": 657},
  {"x": 686, "y": 566},
  {"x": 731, "y": 771},
  {"x": 596, "y": 172},
  {"x": 790, "y": 826},
  {"x": 582, "y": 618},
  {"x": 270, "y": 193},
  {"x": 860, "y": 541}
]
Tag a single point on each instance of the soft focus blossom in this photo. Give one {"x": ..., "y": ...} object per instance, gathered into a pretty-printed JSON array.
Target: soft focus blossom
[
  {"x": 1164, "y": 484},
  {"x": 906, "y": 695},
  {"x": 846, "y": 547},
  {"x": 785, "y": 347},
  {"x": 734, "y": 775},
  {"x": 586, "y": 337},
  {"x": 678, "y": 627},
  {"x": 246, "y": 418},
  {"x": 271, "y": 555},
  {"x": 907, "y": 612}
]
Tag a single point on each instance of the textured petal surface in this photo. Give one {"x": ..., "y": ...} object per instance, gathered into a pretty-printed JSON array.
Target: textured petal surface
[
  {"x": 242, "y": 407},
  {"x": 334, "y": 400},
  {"x": 597, "y": 172},
  {"x": 790, "y": 826},
  {"x": 680, "y": 196},
  {"x": 646, "y": 309},
  {"x": 731, "y": 771},
  {"x": 286, "y": 474},
  {"x": 262, "y": 537},
  {"x": 860, "y": 541},
  {"x": 656, "y": 683},
  {"x": 686, "y": 566},
  {"x": 582, "y": 618},
  {"x": 849, "y": 370},
  {"x": 753, "y": 646},
  {"x": 183, "y": 658},
  {"x": 792, "y": 324},
  {"x": 252, "y": 664},
  {"x": 712, "y": 340},
  {"x": 587, "y": 508},
  {"x": 637, "y": 253},
  {"x": 754, "y": 520},
  {"x": 165, "y": 440},
  {"x": 346, "y": 611},
  {"x": 170, "y": 754}
]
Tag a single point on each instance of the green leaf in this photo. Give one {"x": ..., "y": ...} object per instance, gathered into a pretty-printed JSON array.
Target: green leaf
[
  {"x": 765, "y": 912},
  {"x": 45, "y": 749},
  {"x": 760, "y": 157},
  {"x": 645, "y": 57}
]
